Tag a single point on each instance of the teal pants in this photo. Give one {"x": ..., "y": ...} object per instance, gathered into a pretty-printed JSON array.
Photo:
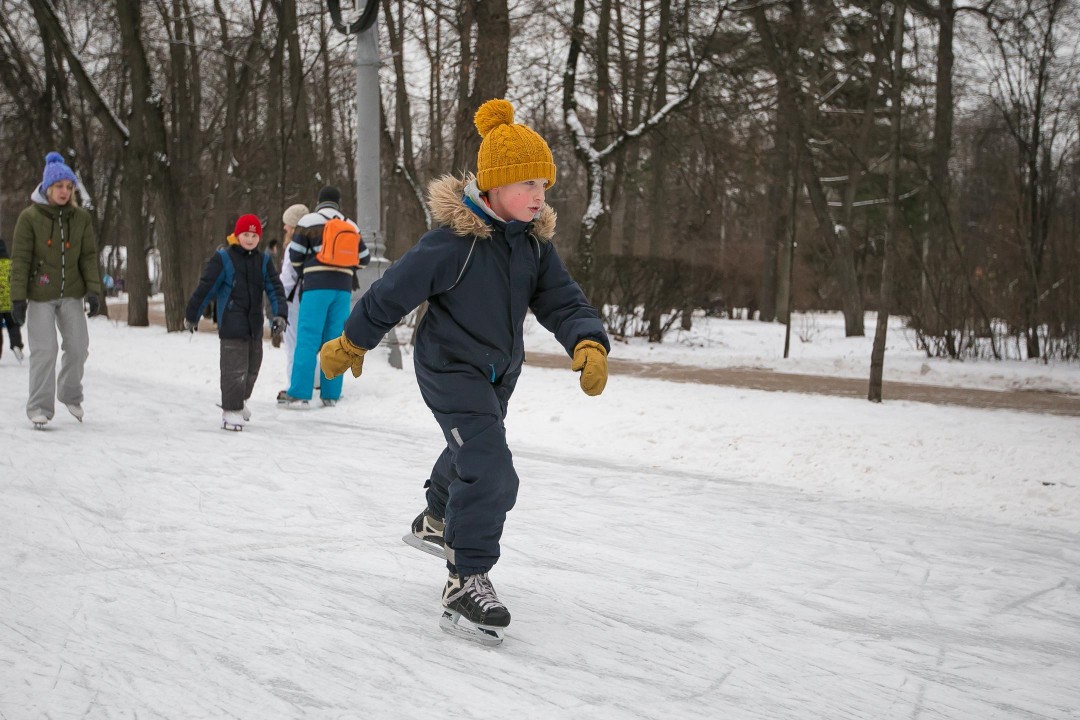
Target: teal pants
[{"x": 322, "y": 317}]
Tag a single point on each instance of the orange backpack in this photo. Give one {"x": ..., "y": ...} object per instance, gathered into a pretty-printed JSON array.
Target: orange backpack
[{"x": 340, "y": 244}]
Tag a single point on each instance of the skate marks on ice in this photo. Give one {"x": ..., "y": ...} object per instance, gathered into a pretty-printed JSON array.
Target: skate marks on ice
[
  {"x": 775, "y": 604},
  {"x": 234, "y": 580}
]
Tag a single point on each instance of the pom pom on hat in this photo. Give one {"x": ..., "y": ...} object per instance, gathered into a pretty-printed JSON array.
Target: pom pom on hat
[
  {"x": 492, "y": 114},
  {"x": 293, "y": 213},
  {"x": 248, "y": 223},
  {"x": 509, "y": 152},
  {"x": 55, "y": 171}
]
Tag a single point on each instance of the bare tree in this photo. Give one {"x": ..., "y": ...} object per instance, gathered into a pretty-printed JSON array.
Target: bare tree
[
  {"x": 596, "y": 156},
  {"x": 484, "y": 33},
  {"x": 896, "y": 97},
  {"x": 1034, "y": 84},
  {"x": 792, "y": 101}
]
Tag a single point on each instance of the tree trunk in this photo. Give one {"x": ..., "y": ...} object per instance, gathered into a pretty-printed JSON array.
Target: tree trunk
[
  {"x": 148, "y": 112},
  {"x": 465, "y": 142},
  {"x": 659, "y": 229},
  {"x": 877, "y": 356},
  {"x": 298, "y": 133},
  {"x": 772, "y": 299},
  {"x": 791, "y": 100},
  {"x": 940, "y": 224},
  {"x": 484, "y": 70}
]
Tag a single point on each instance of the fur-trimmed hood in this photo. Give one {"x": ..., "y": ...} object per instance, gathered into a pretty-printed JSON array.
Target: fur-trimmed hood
[{"x": 446, "y": 197}]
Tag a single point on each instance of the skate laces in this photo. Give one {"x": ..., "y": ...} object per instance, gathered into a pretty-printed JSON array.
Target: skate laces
[{"x": 479, "y": 589}]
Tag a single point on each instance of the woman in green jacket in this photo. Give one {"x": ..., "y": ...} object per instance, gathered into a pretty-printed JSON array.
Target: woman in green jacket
[{"x": 54, "y": 267}]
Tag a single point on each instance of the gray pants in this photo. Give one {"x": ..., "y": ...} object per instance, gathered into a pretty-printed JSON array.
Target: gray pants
[
  {"x": 240, "y": 363},
  {"x": 42, "y": 321}
]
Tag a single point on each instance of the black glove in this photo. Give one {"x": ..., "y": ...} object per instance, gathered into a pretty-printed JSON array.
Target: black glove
[
  {"x": 18, "y": 311},
  {"x": 95, "y": 305},
  {"x": 277, "y": 326},
  {"x": 190, "y": 326}
]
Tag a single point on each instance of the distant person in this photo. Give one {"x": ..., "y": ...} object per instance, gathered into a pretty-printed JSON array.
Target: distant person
[
  {"x": 6, "y": 318},
  {"x": 326, "y": 250},
  {"x": 237, "y": 276},
  {"x": 489, "y": 262},
  {"x": 54, "y": 271},
  {"x": 289, "y": 281}
]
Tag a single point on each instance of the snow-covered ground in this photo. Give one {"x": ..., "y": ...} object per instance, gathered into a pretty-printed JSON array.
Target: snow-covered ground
[
  {"x": 677, "y": 551},
  {"x": 818, "y": 347}
]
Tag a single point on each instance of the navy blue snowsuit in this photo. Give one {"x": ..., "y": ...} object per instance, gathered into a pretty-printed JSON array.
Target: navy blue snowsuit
[{"x": 469, "y": 350}]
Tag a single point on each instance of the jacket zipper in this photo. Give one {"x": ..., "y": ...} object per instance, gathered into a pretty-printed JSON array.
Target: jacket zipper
[{"x": 63, "y": 253}]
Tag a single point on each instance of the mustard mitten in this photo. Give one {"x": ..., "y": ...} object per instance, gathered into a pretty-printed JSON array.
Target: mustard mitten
[
  {"x": 339, "y": 355},
  {"x": 590, "y": 358}
]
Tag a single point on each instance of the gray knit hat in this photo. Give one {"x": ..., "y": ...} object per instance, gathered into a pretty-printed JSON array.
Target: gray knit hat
[{"x": 293, "y": 213}]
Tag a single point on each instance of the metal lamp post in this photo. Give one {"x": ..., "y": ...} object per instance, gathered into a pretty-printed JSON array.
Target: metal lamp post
[{"x": 368, "y": 206}]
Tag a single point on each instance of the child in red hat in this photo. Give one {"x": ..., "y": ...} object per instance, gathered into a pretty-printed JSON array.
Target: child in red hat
[{"x": 236, "y": 277}]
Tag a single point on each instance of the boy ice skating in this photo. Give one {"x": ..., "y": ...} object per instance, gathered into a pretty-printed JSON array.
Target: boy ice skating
[
  {"x": 236, "y": 277},
  {"x": 489, "y": 262}
]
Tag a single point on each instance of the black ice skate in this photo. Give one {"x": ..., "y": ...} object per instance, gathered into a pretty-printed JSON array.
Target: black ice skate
[
  {"x": 472, "y": 610},
  {"x": 427, "y": 535}
]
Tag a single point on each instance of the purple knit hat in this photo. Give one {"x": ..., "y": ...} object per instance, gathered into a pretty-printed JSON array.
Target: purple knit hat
[{"x": 55, "y": 171}]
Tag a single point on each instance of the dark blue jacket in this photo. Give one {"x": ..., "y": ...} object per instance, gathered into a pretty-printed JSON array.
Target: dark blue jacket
[
  {"x": 237, "y": 278},
  {"x": 480, "y": 277}
]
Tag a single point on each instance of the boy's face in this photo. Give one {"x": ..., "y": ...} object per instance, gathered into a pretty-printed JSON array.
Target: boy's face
[
  {"x": 248, "y": 240},
  {"x": 520, "y": 201}
]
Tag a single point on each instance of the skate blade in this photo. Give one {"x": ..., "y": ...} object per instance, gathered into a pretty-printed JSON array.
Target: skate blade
[
  {"x": 233, "y": 428},
  {"x": 430, "y": 548},
  {"x": 39, "y": 426},
  {"x": 485, "y": 635}
]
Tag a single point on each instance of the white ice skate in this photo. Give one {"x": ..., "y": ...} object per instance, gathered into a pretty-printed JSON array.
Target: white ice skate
[
  {"x": 293, "y": 403},
  {"x": 246, "y": 413},
  {"x": 39, "y": 419},
  {"x": 76, "y": 410},
  {"x": 232, "y": 420}
]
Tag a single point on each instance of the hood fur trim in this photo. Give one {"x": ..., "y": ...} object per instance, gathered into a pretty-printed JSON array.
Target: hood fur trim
[{"x": 445, "y": 196}]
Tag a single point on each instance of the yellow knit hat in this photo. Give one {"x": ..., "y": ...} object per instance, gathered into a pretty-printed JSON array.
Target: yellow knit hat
[{"x": 509, "y": 153}]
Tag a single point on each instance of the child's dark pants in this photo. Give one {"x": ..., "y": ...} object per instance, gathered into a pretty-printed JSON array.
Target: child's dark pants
[
  {"x": 240, "y": 363},
  {"x": 14, "y": 332},
  {"x": 473, "y": 483}
]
